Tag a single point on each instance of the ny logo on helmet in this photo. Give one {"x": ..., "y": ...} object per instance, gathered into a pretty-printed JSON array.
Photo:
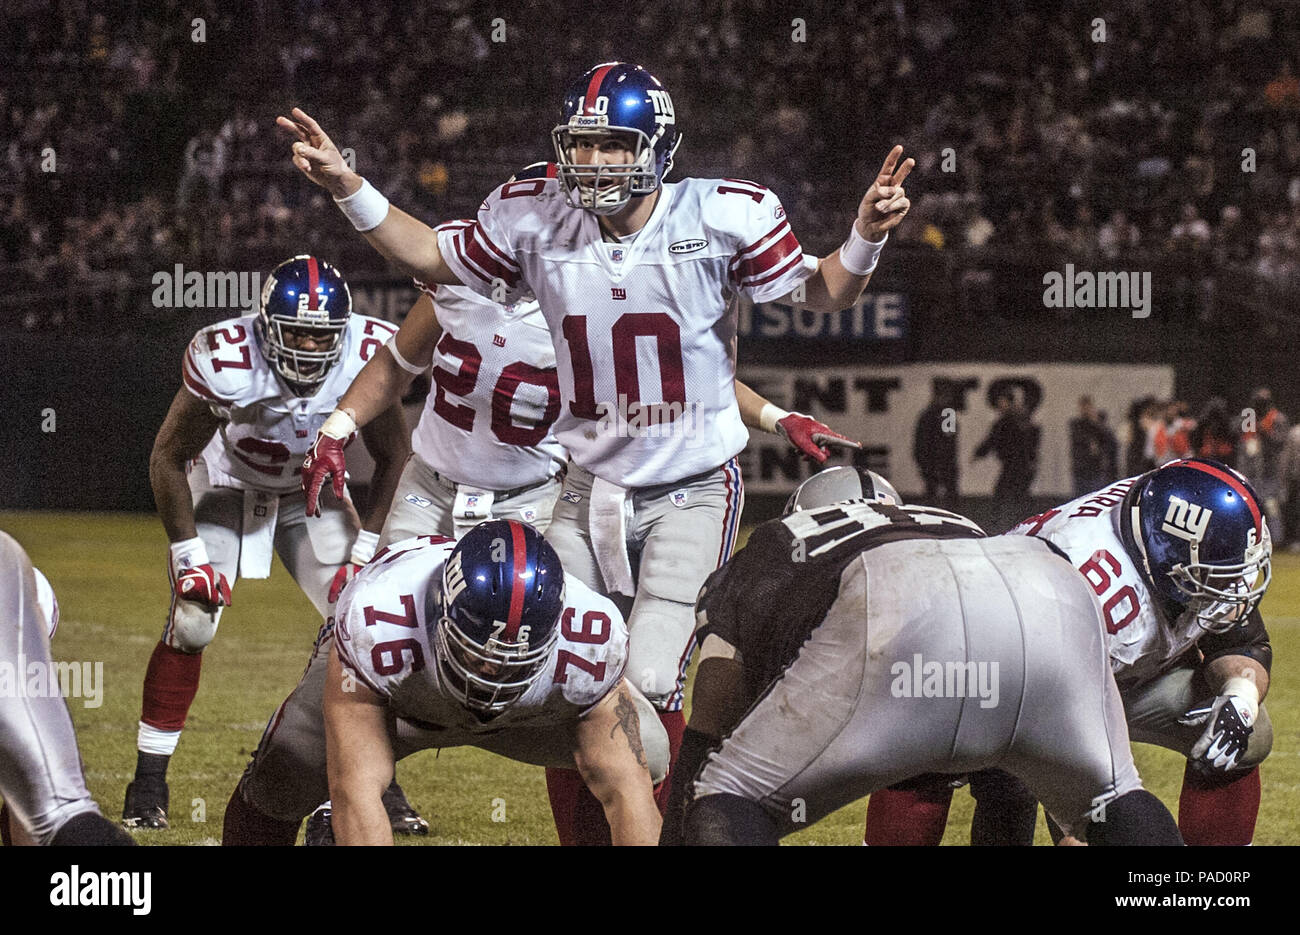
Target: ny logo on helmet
[
  {"x": 1186, "y": 520},
  {"x": 453, "y": 579}
]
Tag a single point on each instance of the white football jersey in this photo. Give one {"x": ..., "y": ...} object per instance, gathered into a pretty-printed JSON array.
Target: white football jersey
[
  {"x": 385, "y": 638},
  {"x": 495, "y": 394},
  {"x": 1141, "y": 640},
  {"x": 645, "y": 329},
  {"x": 266, "y": 431}
]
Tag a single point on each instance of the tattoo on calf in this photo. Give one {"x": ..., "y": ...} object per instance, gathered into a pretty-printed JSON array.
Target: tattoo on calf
[{"x": 630, "y": 724}]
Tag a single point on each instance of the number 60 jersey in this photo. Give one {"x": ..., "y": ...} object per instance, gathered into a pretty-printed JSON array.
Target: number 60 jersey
[
  {"x": 1141, "y": 641},
  {"x": 267, "y": 431},
  {"x": 384, "y": 626}
]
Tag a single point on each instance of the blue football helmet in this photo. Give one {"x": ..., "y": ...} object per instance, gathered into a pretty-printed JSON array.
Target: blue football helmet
[
  {"x": 615, "y": 97},
  {"x": 303, "y": 295},
  {"x": 497, "y": 614},
  {"x": 1201, "y": 540}
]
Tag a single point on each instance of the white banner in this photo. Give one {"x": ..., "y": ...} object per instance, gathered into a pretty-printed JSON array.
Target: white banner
[{"x": 879, "y": 406}]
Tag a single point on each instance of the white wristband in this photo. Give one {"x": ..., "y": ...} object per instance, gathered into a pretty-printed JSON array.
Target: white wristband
[
  {"x": 187, "y": 554},
  {"x": 366, "y": 208},
  {"x": 770, "y": 416},
  {"x": 338, "y": 425},
  {"x": 363, "y": 548},
  {"x": 859, "y": 255},
  {"x": 402, "y": 361},
  {"x": 1245, "y": 689}
]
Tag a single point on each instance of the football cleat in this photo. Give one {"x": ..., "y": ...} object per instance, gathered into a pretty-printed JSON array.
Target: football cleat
[
  {"x": 320, "y": 830},
  {"x": 403, "y": 818},
  {"x": 145, "y": 807},
  {"x": 304, "y": 298}
]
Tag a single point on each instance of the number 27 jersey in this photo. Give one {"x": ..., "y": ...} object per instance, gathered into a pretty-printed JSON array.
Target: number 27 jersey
[{"x": 644, "y": 329}]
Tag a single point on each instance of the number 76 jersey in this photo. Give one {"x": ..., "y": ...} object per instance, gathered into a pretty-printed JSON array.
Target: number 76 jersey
[
  {"x": 644, "y": 328},
  {"x": 1140, "y": 638},
  {"x": 384, "y": 633}
]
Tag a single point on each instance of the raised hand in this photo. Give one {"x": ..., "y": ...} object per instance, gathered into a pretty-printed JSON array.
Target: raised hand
[
  {"x": 316, "y": 155},
  {"x": 885, "y": 203}
]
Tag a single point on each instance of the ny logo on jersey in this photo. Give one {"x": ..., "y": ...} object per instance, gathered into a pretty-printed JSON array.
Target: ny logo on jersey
[
  {"x": 1186, "y": 520},
  {"x": 618, "y": 293},
  {"x": 498, "y": 340}
]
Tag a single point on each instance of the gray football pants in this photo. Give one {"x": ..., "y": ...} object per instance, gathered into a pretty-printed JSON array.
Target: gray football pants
[
  {"x": 40, "y": 769},
  {"x": 1023, "y": 683}
]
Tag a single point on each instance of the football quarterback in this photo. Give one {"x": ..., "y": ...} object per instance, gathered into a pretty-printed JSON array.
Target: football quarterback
[
  {"x": 441, "y": 643},
  {"x": 639, "y": 281},
  {"x": 1179, "y": 558},
  {"x": 854, "y": 643},
  {"x": 225, "y": 480},
  {"x": 41, "y": 776}
]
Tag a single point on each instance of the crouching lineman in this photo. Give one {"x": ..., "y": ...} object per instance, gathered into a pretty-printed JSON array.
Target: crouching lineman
[
  {"x": 41, "y": 780},
  {"x": 224, "y": 471},
  {"x": 856, "y": 642},
  {"x": 1179, "y": 558},
  {"x": 483, "y": 642}
]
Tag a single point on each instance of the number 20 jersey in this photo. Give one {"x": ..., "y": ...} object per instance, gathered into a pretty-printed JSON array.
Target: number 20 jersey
[
  {"x": 644, "y": 329},
  {"x": 1141, "y": 640},
  {"x": 385, "y": 638},
  {"x": 267, "y": 431}
]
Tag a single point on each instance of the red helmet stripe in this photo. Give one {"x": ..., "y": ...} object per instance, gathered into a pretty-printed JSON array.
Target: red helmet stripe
[
  {"x": 593, "y": 89},
  {"x": 518, "y": 568},
  {"x": 1237, "y": 487},
  {"x": 313, "y": 280}
]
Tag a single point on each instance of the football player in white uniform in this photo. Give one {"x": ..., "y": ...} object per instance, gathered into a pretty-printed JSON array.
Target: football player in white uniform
[
  {"x": 437, "y": 643},
  {"x": 41, "y": 777},
  {"x": 639, "y": 282},
  {"x": 857, "y": 642},
  {"x": 224, "y": 471},
  {"x": 1179, "y": 558}
]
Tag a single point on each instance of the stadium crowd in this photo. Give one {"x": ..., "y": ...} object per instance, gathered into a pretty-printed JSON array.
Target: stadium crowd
[{"x": 1179, "y": 134}]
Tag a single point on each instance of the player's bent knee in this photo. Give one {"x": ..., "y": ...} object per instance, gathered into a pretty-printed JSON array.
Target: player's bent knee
[
  {"x": 91, "y": 829},
  {"x": 193, "y": 627},
  {"x": 1261, "y": 742},
  {"x": 654, "y": 739},
  {"x": 1135, "y": 819},
  {"x": 723, "y": 819}
]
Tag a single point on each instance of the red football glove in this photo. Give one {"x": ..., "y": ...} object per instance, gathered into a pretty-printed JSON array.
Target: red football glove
[
  {"x": 812, "y": 437},
  {"x": 363, "y": 550},
  {"x": 325, "y": 459},
  {"x": 204, "y": 585}
]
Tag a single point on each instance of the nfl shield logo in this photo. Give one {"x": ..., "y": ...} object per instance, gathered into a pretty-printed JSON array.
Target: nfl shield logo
[
  {"x": 529, "y": 515},
  {"x": 616, "y": 254},
  {"x": 471, "y": 502},
  {"x": 678, "y": 497}
]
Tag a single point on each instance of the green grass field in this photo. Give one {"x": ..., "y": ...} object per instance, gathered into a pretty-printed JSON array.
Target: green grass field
[{"x": 109, "y": 572}]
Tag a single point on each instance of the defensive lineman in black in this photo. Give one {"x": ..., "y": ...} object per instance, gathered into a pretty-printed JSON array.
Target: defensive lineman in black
[{"x": 856, "y": 642}]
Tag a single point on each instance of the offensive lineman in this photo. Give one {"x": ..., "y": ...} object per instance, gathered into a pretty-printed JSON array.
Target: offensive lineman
[
  {"x": 854, "y": 643},
  {"x": 638, "y": 281},
  {"x": 438, "y": 643},
  {"x": 1180, "y": 558},
  {"x": 41, "y": 778},
  {"x": 224, "y": 476}
]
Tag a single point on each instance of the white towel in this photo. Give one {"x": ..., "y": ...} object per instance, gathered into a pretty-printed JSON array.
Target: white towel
[
  {"x": 257, "y": 544},
  {"x": 607, "y": 518}
]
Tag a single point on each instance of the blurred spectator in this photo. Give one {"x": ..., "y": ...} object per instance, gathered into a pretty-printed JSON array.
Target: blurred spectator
[
  {"x": 1214, "y": 436},
  {"x": 1092, "y": 449},
  {"x": 934, "y": 447},
  {"x": 1264, "y": 432},
  {"x": 1013, "y": 439}
]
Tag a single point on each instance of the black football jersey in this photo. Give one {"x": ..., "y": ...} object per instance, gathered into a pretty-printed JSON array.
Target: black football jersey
[{"x": 773, "y": 593}]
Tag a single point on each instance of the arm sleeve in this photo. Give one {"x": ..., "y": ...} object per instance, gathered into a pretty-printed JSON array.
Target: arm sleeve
[
  {"x": 1250, "y": 640},
  {"x": 481, "y": 255},
  {"x": 768, "y": 262}
]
